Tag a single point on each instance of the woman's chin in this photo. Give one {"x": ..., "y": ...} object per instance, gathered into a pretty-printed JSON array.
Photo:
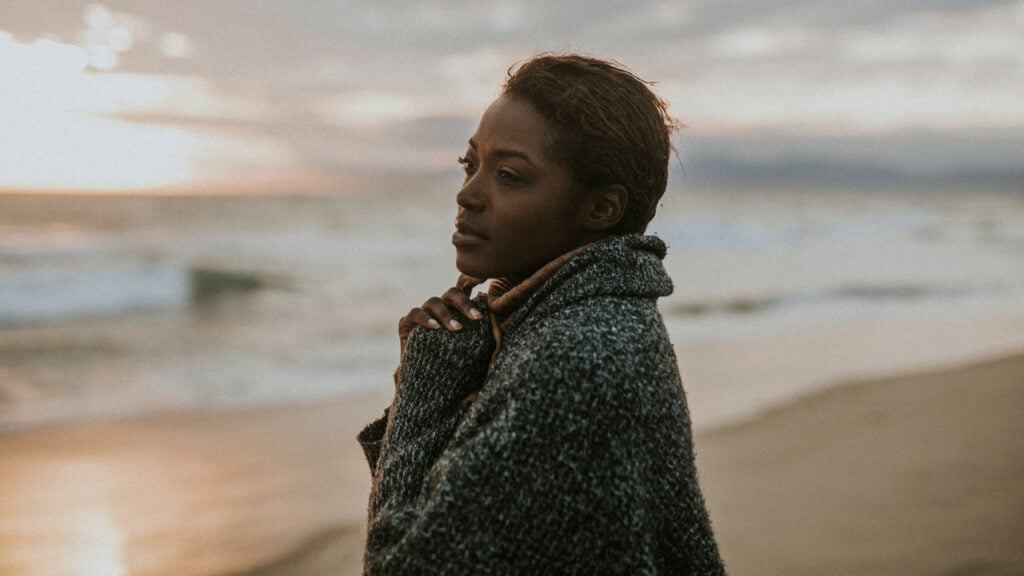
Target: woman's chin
[{"x": 468, "y": 267}]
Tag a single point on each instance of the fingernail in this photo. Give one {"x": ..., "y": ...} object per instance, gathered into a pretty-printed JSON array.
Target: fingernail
[
  {"x": 454, "y": 324},
  {"x": 475, "y": 314},
  {"x": 433, "y": 323}
]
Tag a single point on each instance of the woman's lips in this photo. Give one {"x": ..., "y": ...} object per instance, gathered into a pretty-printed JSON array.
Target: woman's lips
[{"x": 465, "y": 234}]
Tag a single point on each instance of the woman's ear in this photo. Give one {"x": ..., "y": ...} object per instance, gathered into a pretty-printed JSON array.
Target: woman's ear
[{"x": 605, "y": 207}]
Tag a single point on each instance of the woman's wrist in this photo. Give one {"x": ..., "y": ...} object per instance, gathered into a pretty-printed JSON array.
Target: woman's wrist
[{"x": 454, "y": 360}]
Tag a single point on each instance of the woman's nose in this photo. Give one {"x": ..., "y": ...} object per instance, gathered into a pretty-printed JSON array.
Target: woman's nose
[{"x": 469, "y": 197}]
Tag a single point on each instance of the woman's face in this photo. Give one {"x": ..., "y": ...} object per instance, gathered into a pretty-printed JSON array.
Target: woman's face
[{"x": 518, "y": 208}]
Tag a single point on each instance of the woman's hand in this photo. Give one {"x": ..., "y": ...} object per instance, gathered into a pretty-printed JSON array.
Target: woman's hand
[{"x": 437, "y": 311}]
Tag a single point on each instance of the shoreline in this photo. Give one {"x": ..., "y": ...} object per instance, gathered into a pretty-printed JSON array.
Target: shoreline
[
  {"x": 727, "y": 382},
  {"x": 912, "y": 474},
  {"x": 731, "y": 382}
]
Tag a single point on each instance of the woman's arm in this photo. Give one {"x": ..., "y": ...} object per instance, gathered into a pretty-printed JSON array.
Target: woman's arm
[
  {"x": 438, "y": 369},
  {"x": 561, "y": 468},
  {"x": 433, "y": 314}
]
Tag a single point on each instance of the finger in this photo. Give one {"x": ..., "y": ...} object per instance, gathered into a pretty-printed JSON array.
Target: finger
[
  {"x": 467, "y": 283},
  {"x": 438, "y": 308},
  {"x": 460, "y": 301},
  {"x": 416, "y": 316}
]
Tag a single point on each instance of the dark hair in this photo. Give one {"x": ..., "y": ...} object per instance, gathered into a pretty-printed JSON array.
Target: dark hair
[{"x": 606, "y": 125}]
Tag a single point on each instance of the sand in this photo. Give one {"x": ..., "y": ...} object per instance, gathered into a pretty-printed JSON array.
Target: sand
[
  {"x": 916, "y": 475},
  {"x": 208, "y": 493},
  {"x": 921, "y": 474}
]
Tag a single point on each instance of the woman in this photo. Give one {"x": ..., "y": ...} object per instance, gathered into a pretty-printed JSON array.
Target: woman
[{"x": 542, "y": 428}]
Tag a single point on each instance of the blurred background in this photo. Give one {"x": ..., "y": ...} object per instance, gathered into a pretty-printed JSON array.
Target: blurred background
[{"x": 213, "y": 206}]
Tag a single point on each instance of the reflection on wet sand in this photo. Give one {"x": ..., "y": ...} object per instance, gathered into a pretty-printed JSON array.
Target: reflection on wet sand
[{"x": 179, "y": 494}]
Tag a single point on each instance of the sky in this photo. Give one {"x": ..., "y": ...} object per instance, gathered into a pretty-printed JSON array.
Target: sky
[{"x": 317, "y": 96}]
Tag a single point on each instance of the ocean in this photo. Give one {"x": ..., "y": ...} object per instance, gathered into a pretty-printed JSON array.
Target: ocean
[{"x": 120, "y": 306}]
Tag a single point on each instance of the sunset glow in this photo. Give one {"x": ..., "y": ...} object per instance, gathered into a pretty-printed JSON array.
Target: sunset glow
[
  {"x": 70, "y": 118},
  {"x": 61, "y": 129},
  {"x": 102, "y": 543},
  {"x": 202, "y": 97},
  {"x": 64, "y": 141}
]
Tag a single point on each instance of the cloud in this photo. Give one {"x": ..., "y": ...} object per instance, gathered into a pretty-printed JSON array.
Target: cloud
[
  {"x": 954, "y": 39},
  {"x": 728, "y": 102},
  {"x": 372, "y": 108},
  {"x": 176, "y": 45},
  {"x": 759, "y": 41},
  {"x": 339, "y": 84}
]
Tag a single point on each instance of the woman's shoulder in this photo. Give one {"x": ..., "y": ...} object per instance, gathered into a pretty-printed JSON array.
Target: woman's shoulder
[
  {"x": 596, "y": 321},
  {"x": 619, "y": 340},
  {"x": 603, "y": 363}
]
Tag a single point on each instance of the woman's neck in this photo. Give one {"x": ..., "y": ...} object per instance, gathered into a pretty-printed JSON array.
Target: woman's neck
[{"x": 506, "y": 295}]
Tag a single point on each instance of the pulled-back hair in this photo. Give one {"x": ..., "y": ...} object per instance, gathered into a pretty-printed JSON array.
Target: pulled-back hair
[{"x": 606, "y": 125}]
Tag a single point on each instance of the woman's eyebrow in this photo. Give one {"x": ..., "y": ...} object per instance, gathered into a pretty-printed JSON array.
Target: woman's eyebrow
[{"x": 507, "y": 153}]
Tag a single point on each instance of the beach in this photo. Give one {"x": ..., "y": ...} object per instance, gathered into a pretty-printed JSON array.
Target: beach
[
  {"x": 182, "y": 378},
  {"x": 920, "y": 474},
  {"x": 914, "y": 474},
  {"x": 213, "y": 216},
  {"x": 198, "y": 493}
]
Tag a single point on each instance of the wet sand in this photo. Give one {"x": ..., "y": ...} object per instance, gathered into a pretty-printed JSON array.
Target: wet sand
[
  {"x": 921, "y": 474},
  {"x": 197, "y": 494}
]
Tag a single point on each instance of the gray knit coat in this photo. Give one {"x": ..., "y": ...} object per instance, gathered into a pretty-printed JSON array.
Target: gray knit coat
[{"x": 575, "y": 458}]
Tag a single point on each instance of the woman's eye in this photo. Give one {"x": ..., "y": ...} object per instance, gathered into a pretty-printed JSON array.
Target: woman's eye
[
  {"x": 507, "y": 177},
  {"x": 467, "y": 165}
]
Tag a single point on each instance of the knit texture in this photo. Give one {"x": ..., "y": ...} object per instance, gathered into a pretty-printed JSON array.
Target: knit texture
[{"x": 575, "y": 458}]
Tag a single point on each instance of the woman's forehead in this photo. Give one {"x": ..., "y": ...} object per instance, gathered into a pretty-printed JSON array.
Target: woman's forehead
[{"x": 512, "y": 127}]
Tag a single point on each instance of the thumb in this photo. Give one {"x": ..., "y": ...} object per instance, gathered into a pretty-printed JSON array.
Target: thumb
[{"x": 467, "y": 283}]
